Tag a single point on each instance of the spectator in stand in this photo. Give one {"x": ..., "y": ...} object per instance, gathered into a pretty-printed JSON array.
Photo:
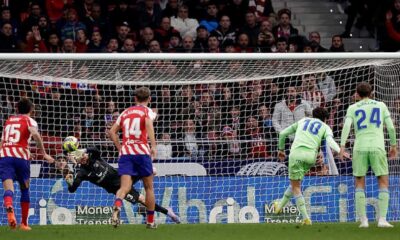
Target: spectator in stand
[
  {"x": 110, "y": 109},
  {"x": 96, "y": 45},
  {"x": 164, "y": 147},
  {"x": 81, "y": 42},
  {"x": 290, "y": 110},
  {"x": 231, "y": 146},
  {"x": 171, "y": 9},
  {"x": 337, "y": 44},
  {"x": 154, "y": 47},
  {"x": 175, "y": 43},
  {"x": 164, "y": 32},
  {"x": 201, "y": 43},
  {"x": 71, "y": 27},
  {"x": 68, "y": 46},
  {"x": 392, "y": 43},
  {"x": 230, "y": 47},
  {"x": 284, "y": 28},
  {"x": 44, "y": 27},
  {"x": 147, "y": 35},
  {"x": 265, "y": 119},
  {"x": 128, "y": 46},
  {"x": 251, "y": 28},
  {"x": 95, "y": 21},
  {"x": 122, "y": 13},
  {"x": 191, "y": 148},
  {"x": 224, "y": 31},
  {"x": 187, "y": 44},
  {"x": 6, "y": 18},
  {"x": 315, "y": 41},
  {"x": 184, "y": 24},
  {"x": 122, "y": 33},
  {"x": 212, "y": 147},
  {"x": 265, "y": 42},
  {"x": 261, "y": 8},
  {"x": 236, "y": 10},
  {"x": 84, "y": 8},
  {"x": 243, "y": 42},
  {"x": 53, "y": 44},
  {"x": 35, "y": 11},
  {"x": 8, "y": 42},
  {"x": 149, "y": 14},
  {"x": 254, "y": 142},
  {"x": 310, "y": 91},
  {"x": 266, "y": 26},
  {"x": 55, "y": 9},
  {"x": 307, "y": 48},
  {"x": 112, "y": 46},
  {"x": 213, "y": 45},
  {"x": 281, "y": 45},
  {"x": 365, "y": 10},
  {"x": 210, "y": 21},
  {"x": 35, "y": 43},
  {"x": 326, "y": 85},
  {"x": 337, "y": 112}
]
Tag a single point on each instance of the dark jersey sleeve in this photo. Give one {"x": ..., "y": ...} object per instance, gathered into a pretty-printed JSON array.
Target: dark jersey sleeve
[
  {"x": 78, "y": 177},
  {"x": 94, "y": 154}
]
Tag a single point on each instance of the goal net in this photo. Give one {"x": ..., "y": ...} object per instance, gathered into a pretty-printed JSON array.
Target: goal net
[{"x": 217, "y": 122}]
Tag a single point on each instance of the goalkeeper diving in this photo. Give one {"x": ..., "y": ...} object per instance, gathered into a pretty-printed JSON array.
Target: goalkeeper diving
[
  {"x": 91, "y": 167},
  {"x": 309, "y": 132}
]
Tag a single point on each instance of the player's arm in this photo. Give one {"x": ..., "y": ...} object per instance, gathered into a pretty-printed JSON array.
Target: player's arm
[
  {"x": 150, "y": 133},
  {"x": 75, "y": 180},
  {"x": 345, "y": 132},
  {"x": 282, "y": 137},
  {"x": 39, "y": 142},
  {"x": 114, "y": 135},
  {"x": 392, "y": 134}
]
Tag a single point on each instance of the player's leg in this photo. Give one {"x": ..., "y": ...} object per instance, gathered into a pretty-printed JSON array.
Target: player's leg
[
  {"x": 360, "y": 168},
  {"x": 150, "y": 198},
  {"x": 23, "y": 174},
  {"x": 278, "y": 206},
  {"x": 25, "y": 202},
  {"x": 380, "y": 167},
  {"x": 7, "y": 175},
  {"x": 300, "y": 202},
  {"x": 135, "y": 197}
]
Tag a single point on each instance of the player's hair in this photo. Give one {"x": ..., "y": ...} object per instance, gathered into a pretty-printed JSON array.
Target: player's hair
[
  {"x": 364, "y": 89},
  {"x": 320, "y": 113},
  {"x": 142, "y": 94},
  {"x": 24, "y": 106}
]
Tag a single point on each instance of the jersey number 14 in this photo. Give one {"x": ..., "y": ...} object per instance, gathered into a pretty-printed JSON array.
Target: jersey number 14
[{"x": 132, "y": 127}]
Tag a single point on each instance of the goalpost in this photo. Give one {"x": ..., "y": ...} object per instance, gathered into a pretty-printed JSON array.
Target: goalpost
[{"x": 217, "y": 124}]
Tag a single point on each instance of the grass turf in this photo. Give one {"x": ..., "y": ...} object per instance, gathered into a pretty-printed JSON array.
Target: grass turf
[{"x": 325, "y": 231}]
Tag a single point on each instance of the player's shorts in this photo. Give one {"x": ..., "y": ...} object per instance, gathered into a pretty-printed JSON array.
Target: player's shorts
[
  {"x": 300, "y": 162},
  {"x": 376, "y": 158},
  {"x": 135, "y": 165},
  {"x": 15, "y": 168}
]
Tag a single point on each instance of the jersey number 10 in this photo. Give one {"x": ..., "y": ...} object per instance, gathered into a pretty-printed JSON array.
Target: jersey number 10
[
  {"x": 314, "y": 126},
  {"x": 375, "y": 118}
]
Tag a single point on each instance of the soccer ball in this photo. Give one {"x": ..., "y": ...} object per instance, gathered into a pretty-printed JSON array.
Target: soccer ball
[{"x": 70, "y": 144}]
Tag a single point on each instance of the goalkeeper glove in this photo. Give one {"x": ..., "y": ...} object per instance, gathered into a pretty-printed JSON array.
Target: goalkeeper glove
[{"x": 77, "y": 155}]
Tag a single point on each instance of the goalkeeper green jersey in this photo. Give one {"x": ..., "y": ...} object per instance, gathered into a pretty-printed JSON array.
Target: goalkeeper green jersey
[
  {"x": 309, "y": 134},
  {"x": 368, "y": 117}
]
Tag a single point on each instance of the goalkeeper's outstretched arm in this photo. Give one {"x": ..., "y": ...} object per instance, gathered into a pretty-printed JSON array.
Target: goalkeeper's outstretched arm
[{"x": 74, "y": 181}]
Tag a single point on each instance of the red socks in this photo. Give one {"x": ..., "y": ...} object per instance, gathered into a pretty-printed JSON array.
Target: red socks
[{"x": 24, "y": 212}]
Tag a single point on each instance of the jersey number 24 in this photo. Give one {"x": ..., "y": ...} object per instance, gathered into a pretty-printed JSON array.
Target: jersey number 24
[{"x": 375, "y": 118}]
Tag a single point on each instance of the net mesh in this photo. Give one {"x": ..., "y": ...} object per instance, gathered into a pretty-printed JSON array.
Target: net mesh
[{"x": 216, "y": 128}]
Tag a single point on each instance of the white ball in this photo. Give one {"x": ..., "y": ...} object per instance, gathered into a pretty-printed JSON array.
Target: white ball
[{"x": 70, "y": 144}]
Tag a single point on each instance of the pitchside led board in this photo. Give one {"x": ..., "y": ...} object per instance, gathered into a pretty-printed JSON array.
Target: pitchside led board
[{"x": 239, "y": 200}]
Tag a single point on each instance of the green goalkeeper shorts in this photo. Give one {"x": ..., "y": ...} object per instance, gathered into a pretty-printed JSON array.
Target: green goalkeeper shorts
[
  {"x": 376, "y": 158},
  {"x": 300, "y": 162}
]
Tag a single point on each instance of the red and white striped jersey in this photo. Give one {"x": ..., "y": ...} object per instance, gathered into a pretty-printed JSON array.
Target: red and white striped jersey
[
  {"x": 16, "y": 137},
  {"x": 134, "y": 135}
]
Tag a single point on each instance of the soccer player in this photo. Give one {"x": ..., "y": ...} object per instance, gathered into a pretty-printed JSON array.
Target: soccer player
[
  {"x": 136, "y": 156},
  {"x": 368, "y": 117},
  {"x": 94, "y": 169},
  {"x": 305, "y": 148},
  {"x": 14, "y": 159}
]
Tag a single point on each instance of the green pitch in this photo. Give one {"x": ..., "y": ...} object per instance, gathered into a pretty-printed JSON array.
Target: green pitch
[{"x": 336, "y": 231}]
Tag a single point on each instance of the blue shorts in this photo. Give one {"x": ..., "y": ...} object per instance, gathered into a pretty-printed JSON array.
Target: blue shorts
[
  {"x": 15, "y": 168},
  {"x": 135, "y": 165}
]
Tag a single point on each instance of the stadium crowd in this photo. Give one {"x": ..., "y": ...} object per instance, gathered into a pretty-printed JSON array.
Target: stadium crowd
[{"x": 68, "y": 26}]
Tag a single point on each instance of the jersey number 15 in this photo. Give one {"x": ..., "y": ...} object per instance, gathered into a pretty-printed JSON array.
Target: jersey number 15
[{"x": 375, "y": 118}]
